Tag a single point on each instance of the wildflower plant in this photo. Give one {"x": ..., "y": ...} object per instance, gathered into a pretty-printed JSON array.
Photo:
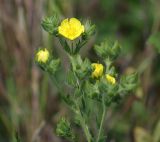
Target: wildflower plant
[{"x": 94, "y": 86}]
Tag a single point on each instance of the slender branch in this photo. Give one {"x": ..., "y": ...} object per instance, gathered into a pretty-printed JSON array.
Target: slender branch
[
  {"x": 83, "y": 123},
  {"x": 84, "y": 126},
  {"x": 102, "y": 119},
  {"x": 82, "y": 120}
]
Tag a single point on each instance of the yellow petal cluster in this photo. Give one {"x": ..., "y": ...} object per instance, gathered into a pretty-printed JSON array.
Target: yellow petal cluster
[
  {"x": 110, "y": 79},
  {"x": 98, "y": 70},
  {"x": 71, "y": 28},
  {"x": 42, "y": 55}
]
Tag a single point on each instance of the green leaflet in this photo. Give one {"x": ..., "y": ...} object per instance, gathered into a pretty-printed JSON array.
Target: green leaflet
[
  {"x": 108, "y": 49},
  {"x": 50, "y": 24}
]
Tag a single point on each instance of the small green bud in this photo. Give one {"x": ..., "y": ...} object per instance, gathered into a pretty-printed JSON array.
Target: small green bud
[
  {"x": 128, "y": 82},
  {"x": 108, "y": 49},
  {"x": 64, "y": 129},
  {"x": 89, "y": 30},
  {"x": 50, "y": 24}
]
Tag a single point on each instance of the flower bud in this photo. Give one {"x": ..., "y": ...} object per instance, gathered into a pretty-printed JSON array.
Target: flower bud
[
  {"x": 42, "y": 56},
  {"x": 110, "y": 79},
  {"x": 98, "y": 70}
]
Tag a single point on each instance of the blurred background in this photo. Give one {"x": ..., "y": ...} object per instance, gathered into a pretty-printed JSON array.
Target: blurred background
[{"x": 29, "y": 104}]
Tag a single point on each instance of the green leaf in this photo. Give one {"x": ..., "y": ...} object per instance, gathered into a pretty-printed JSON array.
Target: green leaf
[
  {"x": 71, "y": 80},
  {"x": 84, "y": 70},
  {"x": 53, "y": 66},
  {"x": 128, "y": 82},
  {"x": 79, "y": 45},
  {"x": 108, "y": 49},
  {"x": 83, "y": 105},
  {"x": 76, "y": 62},
  {"x": 80, "y": 67},
  {"x": 92, "y": 91},
  {"x": 64, "y": 129},
  {"x": 50, "y": 24},
  {"x": 98, "y": 121},
  {"x": 67, "y": 99},
  {"x": 65, "y": 45},
  {"x": 102, "y": 139},
  {"x": 89, "y": 30},
  {"x": 154, "y": 39}
]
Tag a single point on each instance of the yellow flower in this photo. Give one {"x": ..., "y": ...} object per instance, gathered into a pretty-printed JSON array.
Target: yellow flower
[
  {"x": 110, "y": 79},
  {"x": 98, "y": 70},
  {"x": 42, "y": 55},
  {"x": 71, "y": 28}
]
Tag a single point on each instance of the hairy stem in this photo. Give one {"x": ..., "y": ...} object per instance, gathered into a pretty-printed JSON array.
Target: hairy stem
[
  {"x": 102, "y": 119},
  {"x": 82, "y": 119},
  {"x": 85, "y": 127}
]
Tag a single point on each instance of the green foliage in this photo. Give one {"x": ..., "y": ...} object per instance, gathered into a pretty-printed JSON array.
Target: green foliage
[
  {"x": 128, "y": 82},
  {"x": 89, "y": 30},
  {"x": 131, "y": 23},
  {"x": 50, "y": 24},
  {"x": 108, "y": 49},
  {"x": 92, "y": 91},
  {"x": 53, "y": 66},
  {"x": 64, "y": 129},
  {"x": 80, "y": 67},
  {"x": 86, "y": 90},
  {"x": 70, "y": 79}
]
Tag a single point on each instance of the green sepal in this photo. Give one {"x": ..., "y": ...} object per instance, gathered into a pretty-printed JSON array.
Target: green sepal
[
  {"x": 79, "y": 45},
  {"x": 65, "y": 45}
]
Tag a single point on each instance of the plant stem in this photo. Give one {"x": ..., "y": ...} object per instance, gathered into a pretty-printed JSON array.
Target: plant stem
[
  {"x": 102, "y": 119},
  {"x": 82, "y": 120},
  {"x": 78, "y": 110},
  {"x": 85, "y": 127}
]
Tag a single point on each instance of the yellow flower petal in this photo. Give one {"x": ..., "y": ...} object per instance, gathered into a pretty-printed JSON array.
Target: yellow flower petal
[
  {"x": 110, "y": 79},
  {"x": 42, "y": 55},
  {"x": 98, "y": 70},
  {"x": 71, "y": 28}
]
